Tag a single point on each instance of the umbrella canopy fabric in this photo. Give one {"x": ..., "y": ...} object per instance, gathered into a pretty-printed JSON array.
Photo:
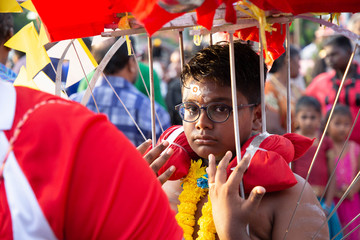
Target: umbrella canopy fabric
[{"x": 68, "y": 19}]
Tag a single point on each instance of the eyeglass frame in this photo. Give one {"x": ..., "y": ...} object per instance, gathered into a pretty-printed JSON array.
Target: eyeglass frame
[{"x": 241, "y": 106}]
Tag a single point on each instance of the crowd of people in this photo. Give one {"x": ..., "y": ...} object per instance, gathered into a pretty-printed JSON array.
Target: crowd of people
[{"x": 97, "y": 177}]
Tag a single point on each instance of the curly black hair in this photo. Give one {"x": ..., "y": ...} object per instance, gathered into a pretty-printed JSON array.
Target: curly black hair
[{"x": 212, "y": 64}]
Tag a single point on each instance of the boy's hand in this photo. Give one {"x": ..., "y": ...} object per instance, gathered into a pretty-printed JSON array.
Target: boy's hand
[
  {"x": 231, "y": 213},
  {"x": 155, "y": 160}
]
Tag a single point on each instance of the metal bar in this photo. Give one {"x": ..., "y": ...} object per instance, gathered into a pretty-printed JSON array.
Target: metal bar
[
  {"x": 146, "y": 88},
  {"x": 262, "y": 84},
  {"x": 101, "y": 68},
  {"x": 181, "y": 48},
  {"x": 87, "y": 80},
  {"x": 59, "y": 70},
  {"x": 235, "y": 104},
  {"x": 241, "y": 24},
  {"x": 219, "y": 25},
  {"x": 152, "y": 93},
  {"x": 126, "y": 109},
  {"x": 288, "y": 83}
]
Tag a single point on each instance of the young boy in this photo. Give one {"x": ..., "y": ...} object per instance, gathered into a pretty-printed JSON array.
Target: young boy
[{"x": 206, "y": 86}]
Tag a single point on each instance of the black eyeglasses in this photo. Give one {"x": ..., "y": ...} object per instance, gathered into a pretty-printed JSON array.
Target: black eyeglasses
[{"x": 216, "y": 112}]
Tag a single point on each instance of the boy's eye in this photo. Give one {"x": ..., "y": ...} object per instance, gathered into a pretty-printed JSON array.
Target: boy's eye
[
  {"x": 192, "y": 108},
  {"x": 219, "y": 108}
]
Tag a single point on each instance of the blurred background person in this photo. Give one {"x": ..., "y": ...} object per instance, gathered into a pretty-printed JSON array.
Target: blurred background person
[
  {"x": 324, "y": 87},
  {"x": 312, "y": 56},
  {"x": 173, "y": 95},
  {"x": 158, "y": 73},
  {"x": 6, "y": 32},
  {"x": 275, "y": 92},
  {"x": 121, "y": 71}
]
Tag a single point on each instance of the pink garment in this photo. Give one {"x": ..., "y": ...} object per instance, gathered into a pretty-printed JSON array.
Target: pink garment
[
  {"x": 319, "y": 174},
  {"x": 345, "y": 173}
]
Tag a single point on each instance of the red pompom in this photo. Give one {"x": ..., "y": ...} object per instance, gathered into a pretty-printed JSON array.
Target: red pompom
[
  {"x": 271, "y": 155},
  {"x": 182, "y": 152}
]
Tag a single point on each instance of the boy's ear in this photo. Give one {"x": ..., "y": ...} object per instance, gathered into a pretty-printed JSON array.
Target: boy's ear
[{"x": 257, "y": 121}]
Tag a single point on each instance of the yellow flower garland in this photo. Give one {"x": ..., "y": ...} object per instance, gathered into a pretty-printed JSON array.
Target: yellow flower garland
[{"x": 189, "y": 198}]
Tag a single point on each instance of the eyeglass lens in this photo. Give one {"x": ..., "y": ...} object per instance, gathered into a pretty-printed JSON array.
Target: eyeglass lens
[{"x": 217, "y": 112}]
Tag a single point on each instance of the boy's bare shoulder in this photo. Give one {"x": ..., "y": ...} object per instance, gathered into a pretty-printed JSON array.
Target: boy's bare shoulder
[{"x": 277, "y": 208}]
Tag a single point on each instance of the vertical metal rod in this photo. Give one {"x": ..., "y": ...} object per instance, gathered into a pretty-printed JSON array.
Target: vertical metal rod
[
  {"x": 101, "y": 68},
  {"x": 288, "y": 84},
  {"x": 87, "y": 80},
  {"x": 211, "y": 39},
  {"x": 297, "y": 32},
  {"x": 234, "y": 103},
  {"x": 181, "y": 48},
  {"x": 262, "y": 84},
  {"x": 59, "y": 70},
  {"x": 152, "y": 93},
  {"x": 146, "y": 88}
]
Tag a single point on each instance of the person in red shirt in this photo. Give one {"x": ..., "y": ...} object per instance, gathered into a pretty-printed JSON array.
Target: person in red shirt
[{"x": 324, "y": 87}]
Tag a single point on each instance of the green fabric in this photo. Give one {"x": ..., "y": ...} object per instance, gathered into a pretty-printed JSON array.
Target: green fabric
[
  {"x": 144, "y": 69},
  {"x": 83, "y": 83}
]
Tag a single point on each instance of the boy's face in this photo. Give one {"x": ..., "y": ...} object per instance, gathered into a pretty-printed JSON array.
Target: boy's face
[
  {"x": 308, "y": 120},
  {"x": 206, "y": 136}
]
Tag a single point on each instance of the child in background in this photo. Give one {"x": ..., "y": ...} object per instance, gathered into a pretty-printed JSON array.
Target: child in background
[
  {"x": 308, "y": 120},
  {"x": 347, "y": 168},
  {"x": 208, "y": 126}
]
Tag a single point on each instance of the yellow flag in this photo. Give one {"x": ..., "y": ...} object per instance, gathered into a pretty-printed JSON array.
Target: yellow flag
[
  {"x": 7, "y": 6},
  {"x": 43, "y": 36},
  {"x": 27, "y": 40},
  {"x": 29, "y": 6},
  {"x": 23, "y": 80},
  {"x": 88, "y": 53}
]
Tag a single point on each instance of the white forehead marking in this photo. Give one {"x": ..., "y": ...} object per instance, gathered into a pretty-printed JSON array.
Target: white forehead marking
[{"x": 195, "y": 89}]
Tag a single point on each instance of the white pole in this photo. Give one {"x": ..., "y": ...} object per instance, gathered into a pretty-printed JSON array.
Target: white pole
[
  {"x": 234, "y": 104},
  {"x": 152, "y": 95},
  {"x": 288, "y": 83},
  {"x": 262, "y": 84}
]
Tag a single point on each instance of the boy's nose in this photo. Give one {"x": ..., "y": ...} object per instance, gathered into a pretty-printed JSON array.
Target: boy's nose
[{"x": 203, "y": 121}]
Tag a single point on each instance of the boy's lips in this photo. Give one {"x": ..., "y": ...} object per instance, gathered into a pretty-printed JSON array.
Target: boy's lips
[{"x": 204, "y": 139}]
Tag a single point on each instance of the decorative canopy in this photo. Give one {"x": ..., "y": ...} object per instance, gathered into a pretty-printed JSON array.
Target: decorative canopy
[{"x": 69, "y": 19}]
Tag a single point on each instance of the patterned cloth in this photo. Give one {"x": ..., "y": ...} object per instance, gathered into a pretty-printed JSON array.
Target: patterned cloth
[
  {"x": 137, "y": 103},
  {"x": 6, "y": 74}
]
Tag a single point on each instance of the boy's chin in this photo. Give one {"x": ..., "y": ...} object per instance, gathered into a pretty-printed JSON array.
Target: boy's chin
[{"x": 204, "y": 153}]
